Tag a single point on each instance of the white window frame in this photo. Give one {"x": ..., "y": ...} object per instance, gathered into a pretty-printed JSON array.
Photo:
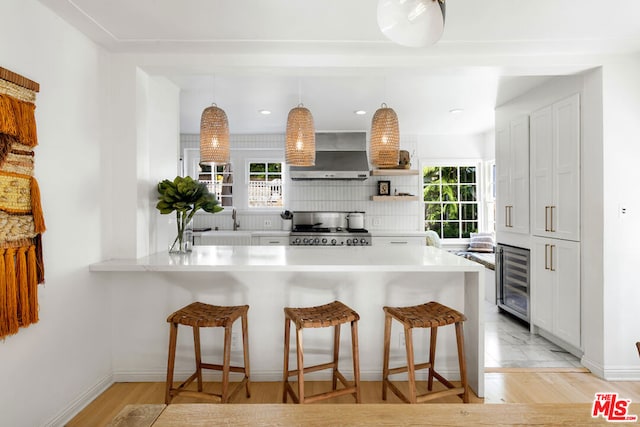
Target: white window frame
[
  {"x": 191, "y": 167},
  {"x": 480, "y": 190},
  {"x": 247, "y": 175}
]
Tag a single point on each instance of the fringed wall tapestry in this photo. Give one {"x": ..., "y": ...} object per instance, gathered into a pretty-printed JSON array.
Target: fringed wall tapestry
[{"x": 21, "y": 220}]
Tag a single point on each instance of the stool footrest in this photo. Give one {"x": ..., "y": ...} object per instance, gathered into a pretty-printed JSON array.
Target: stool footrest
[
  {"x": 401, "y": 369},
  {"x": 328, "y": 394},
  {"x": 439, "y": 394},
  {"x": 311, "y": 369},
  {"x": 215, "y": 367}
]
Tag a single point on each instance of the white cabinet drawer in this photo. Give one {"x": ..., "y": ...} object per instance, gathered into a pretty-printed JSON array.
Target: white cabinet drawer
[
  {"x": 273, "y": 240},
  {"x": 398, "y": 241}
]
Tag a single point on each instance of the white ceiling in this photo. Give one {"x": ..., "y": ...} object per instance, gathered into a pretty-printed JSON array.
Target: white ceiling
[{"x": 330, "y": 55}]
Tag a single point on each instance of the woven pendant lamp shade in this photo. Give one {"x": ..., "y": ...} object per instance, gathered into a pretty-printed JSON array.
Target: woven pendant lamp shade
[
  {"x": 214, "y": 136},
  {"x": 385, "y": 138},
  {"x": 300, "y": 138}
]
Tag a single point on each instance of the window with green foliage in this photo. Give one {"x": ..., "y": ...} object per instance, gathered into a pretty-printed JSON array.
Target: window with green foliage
[
  {"x": 265, "y": 185},
  {"x": 450, "y": 195}
]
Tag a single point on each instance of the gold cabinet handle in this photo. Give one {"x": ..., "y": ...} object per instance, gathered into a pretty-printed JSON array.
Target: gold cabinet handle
[
  {"x": 551, "y": 257},
  {"x": 551, "y": 219},
  {"x": 546, "y": 259},
  {"x": 546, "y": 218}
]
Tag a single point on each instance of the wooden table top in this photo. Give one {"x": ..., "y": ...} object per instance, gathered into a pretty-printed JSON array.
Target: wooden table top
[{"x": 448, "y": 414}]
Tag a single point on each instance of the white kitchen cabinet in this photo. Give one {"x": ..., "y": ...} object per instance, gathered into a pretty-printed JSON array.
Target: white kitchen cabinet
[
  {"x": 555, "y": 170},
  {"x": 512, "y": 176},
  {"x": 273, "y": 240},
  {"x": 216, "y": 238},
  {"x": 555, "y": 288},
  {"x": 398, "y": 240}
]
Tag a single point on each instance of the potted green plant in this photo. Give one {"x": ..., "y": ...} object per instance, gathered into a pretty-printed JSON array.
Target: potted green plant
[{"x": 186, "y": 196}]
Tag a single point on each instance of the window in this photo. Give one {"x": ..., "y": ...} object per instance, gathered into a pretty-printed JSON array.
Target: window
[
  {"x": 265, "y": 185},
  {"x": 219, "y": 180},
  {"x": 450, "y": 195}
]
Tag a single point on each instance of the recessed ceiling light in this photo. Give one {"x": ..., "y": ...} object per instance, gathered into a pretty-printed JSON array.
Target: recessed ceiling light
[
  {"x": 456, "y": 110},
  {"x": 264, "y": 112},
  {"x": 360, "y": 112}
]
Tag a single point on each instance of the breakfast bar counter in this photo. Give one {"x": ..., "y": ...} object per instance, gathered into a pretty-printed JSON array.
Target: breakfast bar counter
[{"x": 268, "y": 278}]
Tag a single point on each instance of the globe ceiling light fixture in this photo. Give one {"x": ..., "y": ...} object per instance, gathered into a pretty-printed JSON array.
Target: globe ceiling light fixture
[
  {"x": 412, "y": 23},
  {"x": 385, "y": 138}
]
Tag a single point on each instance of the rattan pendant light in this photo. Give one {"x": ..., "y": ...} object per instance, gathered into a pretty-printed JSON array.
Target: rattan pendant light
[
  {"x": 300, "y": 137},
  {"x": 385, "y": 138},
  {"x": 214, "y": 136}
]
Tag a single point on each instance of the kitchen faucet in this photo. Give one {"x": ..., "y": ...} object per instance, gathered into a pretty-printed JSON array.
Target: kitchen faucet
[{"x": 234, "y": 215}]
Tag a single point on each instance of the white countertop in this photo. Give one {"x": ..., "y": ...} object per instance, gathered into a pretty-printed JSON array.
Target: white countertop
[{"x": 297, "y": 258}]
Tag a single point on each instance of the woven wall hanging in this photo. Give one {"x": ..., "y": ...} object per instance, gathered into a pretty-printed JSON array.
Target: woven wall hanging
[{"x": 21, "y": 220}]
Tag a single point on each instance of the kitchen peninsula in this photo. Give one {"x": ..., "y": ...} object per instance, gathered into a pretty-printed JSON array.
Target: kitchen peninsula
[{"x": 145, "y": 291}]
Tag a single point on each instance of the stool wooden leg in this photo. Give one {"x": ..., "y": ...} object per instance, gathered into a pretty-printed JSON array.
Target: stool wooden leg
[
  {"x": 300, "y": 364},
  {"x": 462, "y": 361},
  {"x": 432, "y": 356},
  {"x": 385, "y": 359},
  {"x": 226, "y": 363},
  {"x": 196, "y": 349},
  {"x": 356, "y": 359},
  {"x": 285, "y": 375},
  {"x": 173, "y": 334},
  {"x": 411, "y": 372},
  {"x": 336, "y": 354},
  {"x": 245, "y": 349}
]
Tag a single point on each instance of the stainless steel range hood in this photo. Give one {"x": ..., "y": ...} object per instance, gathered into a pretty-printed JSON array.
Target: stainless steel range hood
[{"x": 339, "y": 155}]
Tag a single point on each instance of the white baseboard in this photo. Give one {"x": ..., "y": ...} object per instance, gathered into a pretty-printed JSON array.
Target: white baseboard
[{"x": 80, "y": 402}]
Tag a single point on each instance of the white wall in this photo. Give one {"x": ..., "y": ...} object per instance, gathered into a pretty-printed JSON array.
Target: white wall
[
  {"x": 52, "y": 365},
  {"x": 621, "y": 157}
]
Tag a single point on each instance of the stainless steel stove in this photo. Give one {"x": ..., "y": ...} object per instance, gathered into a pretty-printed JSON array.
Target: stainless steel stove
[{"x": 326, "y": 229}]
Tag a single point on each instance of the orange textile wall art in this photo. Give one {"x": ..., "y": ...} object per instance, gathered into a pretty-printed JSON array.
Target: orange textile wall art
[{"x": 21, "y": 219}]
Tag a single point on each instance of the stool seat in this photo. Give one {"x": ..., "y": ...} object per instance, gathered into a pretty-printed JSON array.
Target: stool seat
[
  {"x": 429, "y": 315},
  {"x": 200, "y": 315},
  {"x": 203, "y": 315},
  {"x": 329, "y": 315},
  {"x": 332, "y": 314}
]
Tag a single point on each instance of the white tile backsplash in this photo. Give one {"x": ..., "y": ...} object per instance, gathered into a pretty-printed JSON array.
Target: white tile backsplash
[{"x": 321, "y": 195}]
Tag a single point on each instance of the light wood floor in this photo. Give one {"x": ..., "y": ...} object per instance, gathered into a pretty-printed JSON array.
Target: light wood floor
[{"x": 526, "y": 386}]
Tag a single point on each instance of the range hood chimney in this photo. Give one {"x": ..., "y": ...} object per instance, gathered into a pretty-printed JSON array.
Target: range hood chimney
[{"x": 339, "y": 155}]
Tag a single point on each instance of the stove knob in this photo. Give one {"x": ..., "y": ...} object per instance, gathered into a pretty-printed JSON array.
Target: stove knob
[
  {"x": 305, "y": 240},
  {"x": 296, "y": 241},
  {"x": 334, "y": 241},
  {"x": 363, "y": 241},
  {"x": 348, "y": 242},
  {"x": 316, "y": 240},
  {"x": 324, "y": 241}
]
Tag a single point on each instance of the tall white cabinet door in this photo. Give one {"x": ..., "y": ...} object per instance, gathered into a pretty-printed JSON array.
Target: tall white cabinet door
[
  {"x": 512, "y": 176},
  {"x": 555, "y": 170},
  {"x": 565, "y": 215},
  {"x": 541, "y": 170},
  {"x": 542, "y": 286},
  {"x": 503, "y": 190},
  {"x": 519, "y": 213},
  {"x": 566, "y": 266},
  {"x": 555, "y": 288}
]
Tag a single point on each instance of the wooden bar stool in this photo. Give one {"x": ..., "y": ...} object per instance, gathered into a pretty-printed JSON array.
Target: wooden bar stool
[
  {"x": 429, "y": 315},
  {"x": 200, "y": 315},
  {"x": 333, "y": 314}
]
